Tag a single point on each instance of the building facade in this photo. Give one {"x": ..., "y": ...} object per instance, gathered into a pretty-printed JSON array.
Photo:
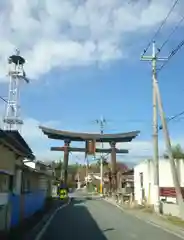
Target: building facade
[
  {"x": 13, "y": 149},
  {"x": 23, "y": 189},
  {"x": 144, "y": 181}
]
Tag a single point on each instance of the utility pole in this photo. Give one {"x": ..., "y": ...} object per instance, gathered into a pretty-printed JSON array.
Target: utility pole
[
  {"x": 157, "y": 99},
  {"x": 154, "y": 60},
  {"x": 179, "y": 196},
  {"x": 86, "y": 162},
  {"x": 102, "y": 123},
  {"x": 78, "y": 174}
]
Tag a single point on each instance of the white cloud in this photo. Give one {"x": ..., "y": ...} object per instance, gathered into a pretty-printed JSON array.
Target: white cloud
[
  {"x": 138, "y": 149},
  {"x": 30, "y": 129},
  {"x": 143, "y": 149},
  {"x": 40, "y": 144},
  {"x": 59, "y": 33}
]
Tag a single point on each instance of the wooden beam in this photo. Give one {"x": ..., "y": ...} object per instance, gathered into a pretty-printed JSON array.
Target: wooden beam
[{"x": 98, "y": 150}]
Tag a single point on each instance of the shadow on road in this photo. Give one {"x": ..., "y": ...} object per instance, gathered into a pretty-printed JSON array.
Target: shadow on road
[
  {"x": 75, "y": 201},
  {"x": 108, "y": 229},
  {"x": 74, "y": 222}
]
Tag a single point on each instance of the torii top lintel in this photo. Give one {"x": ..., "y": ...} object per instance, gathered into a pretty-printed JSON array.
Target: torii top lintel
[{"x": 75, "y": 136}]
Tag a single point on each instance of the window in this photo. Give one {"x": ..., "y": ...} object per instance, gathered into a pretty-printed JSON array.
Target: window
[
  {"x": 141, "y": 179},
  {"x": 4, "y": 183},
  {"x": 11, "y": 183}
]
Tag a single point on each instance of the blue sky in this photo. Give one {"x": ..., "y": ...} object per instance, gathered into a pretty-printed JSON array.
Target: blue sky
[{"x": 72, "y": 85}]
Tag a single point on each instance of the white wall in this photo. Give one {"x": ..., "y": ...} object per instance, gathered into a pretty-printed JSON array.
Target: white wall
[
  {"x": 165, "y": 178},
  {"x": 146, "y": 168}
]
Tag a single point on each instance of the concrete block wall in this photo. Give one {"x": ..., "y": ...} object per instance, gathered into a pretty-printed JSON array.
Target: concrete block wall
[
  {"x": 25, "y": 205},
  {"x": 170, "y": 209}
]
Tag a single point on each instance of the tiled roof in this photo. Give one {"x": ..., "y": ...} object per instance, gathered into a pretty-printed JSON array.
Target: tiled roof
[{"x": 16, "y": 143}]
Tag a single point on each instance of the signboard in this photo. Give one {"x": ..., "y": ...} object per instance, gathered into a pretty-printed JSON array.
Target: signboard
[{"x": 90, "y": 147}]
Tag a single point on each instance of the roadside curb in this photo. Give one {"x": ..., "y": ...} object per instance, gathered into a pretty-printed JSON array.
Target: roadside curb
[{"x": 178, "y": 232}]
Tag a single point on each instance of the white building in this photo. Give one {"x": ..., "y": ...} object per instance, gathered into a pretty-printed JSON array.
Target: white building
[
  {"x": 144, "y": 179},
  {"x": 88, "y": 178}
]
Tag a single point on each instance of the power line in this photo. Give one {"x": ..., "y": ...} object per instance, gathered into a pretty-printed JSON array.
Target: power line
[
  {"x": 171, "y": 34},
  {"x": 160, "y": 27},
  {"x": 172, "y": 118},
  {"x": 102, "y": 122},
  {"x": 177, "y": 115},
  {"x": 4, "y": 100},
  {"x": 173, "y": 52}
]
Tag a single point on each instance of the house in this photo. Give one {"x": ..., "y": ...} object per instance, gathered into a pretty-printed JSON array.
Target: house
[
  {"x": 36, "y": 187},
  {"x": 13, "y": 149},
  {"x": 127, "y": 181},
  {"x": 46, "y": 176},
  {"x": 144, "y": 182}
]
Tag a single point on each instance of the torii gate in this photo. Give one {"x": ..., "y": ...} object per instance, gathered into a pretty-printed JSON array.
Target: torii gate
[{"x": 90, "y": 139}]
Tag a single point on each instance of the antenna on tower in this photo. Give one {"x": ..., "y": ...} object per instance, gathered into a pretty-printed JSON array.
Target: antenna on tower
[
  {"x": 16, "y": 73},
  {"x": 102, "y": 121}
]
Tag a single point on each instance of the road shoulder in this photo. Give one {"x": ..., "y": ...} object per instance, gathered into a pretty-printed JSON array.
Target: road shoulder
[{"x": 153, "y": 219}]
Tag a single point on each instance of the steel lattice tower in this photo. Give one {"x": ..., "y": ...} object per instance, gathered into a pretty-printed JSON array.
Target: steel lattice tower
[{"x": 16, "y": 74}]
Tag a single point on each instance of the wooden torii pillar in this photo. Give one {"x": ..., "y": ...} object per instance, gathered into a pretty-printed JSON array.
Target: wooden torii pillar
[
  {"x": 91, "y": 149},
  {"x": 65, "y": 160},
  {"x": 113, "y": 166}
]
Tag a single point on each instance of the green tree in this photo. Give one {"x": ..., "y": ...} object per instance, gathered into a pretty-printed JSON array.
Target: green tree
[
  {"x": 177, "y": 152},
  {"x": 104, "y": 160}
]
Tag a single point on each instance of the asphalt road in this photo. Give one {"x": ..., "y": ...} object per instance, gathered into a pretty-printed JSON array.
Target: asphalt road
[{"x": 95, "y": 219}]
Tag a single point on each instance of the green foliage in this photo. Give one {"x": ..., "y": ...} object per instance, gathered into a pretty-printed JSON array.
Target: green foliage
[
  {"x": 177, "y": 152},
  {"x": 105, "y": 162}
]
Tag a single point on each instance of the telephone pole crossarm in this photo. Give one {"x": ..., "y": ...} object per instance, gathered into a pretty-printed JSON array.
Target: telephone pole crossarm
[
  {"x": 146, "y": 58},
  {"x": 150, "y": 58}
]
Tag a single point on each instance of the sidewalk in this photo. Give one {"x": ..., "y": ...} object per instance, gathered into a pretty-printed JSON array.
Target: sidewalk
[{"x": 151, "y": 218}]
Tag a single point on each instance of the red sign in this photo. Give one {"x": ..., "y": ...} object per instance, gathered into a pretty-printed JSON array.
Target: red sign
[{"x": 169, "y": 191}]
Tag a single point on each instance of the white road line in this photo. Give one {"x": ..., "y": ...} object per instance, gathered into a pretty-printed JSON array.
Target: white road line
[
  {"x": 148, "y": 222},
  {"x": 44, "y": 228}
]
